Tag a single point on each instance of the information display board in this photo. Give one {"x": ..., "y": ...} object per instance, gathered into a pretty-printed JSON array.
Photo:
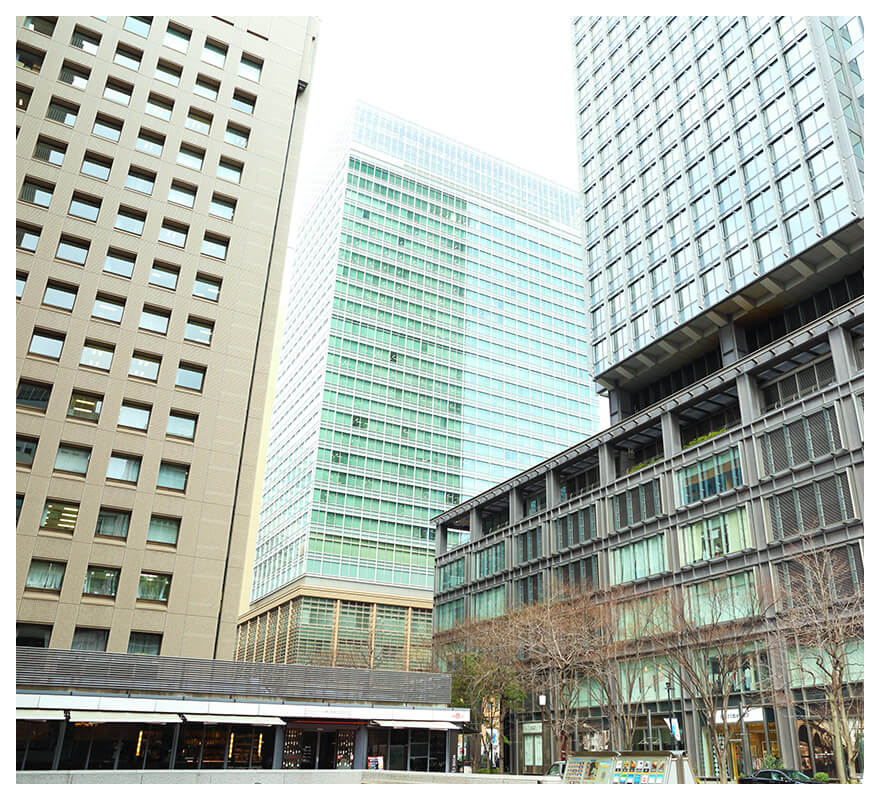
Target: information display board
[{"x": 609, "y": 767}]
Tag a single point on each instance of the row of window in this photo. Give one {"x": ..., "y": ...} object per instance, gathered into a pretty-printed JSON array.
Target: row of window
[
  {"x": 121, "y": 263},
  {"x": 99, "y": 355},
  {"x": 73, "y": 459},
  {"x": 129, "y": 220},
  {"x": 61, "y": 516},
  {"x": 138, "y": 179},
  {"x": 48, "y": 576},
  {"x": 35, "y": 635},
  {"x": 176, "y": 37},
  {"x": 87, "y": 406},
  {"x": 110, "y": 308}
]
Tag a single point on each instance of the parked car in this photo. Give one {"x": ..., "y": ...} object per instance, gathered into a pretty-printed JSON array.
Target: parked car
[
  {"x": 557, "y": 769},
  {"x": 776, "y": 776}
]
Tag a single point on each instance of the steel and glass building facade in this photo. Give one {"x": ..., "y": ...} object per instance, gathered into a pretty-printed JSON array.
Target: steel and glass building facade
[
  {"x": 434, "y": 344},
  {"x": 722, "y": 165},
  {"x": 712, "y": 149}
]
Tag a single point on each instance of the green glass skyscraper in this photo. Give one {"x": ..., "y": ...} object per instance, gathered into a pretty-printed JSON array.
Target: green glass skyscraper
[{"x": 434, "y": 345}]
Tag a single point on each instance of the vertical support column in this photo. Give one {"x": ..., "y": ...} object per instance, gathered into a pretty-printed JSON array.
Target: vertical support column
[
  {"x": 749, "y": 398},
  {"x": 786, "y": 722},
  {"x": 732, "y": 341},
  {"x": 619, "y": 405},
  {"x": 278, "y": 747},
  {"x": 56, "y": 756},
  {"x": 671, "y": 433},
  {"x": 515, "y": 506},
  {"x": 841, "y": 353},
  {"x": 440, "y": 539},
  {"x": 360, "y": 748},
  {"x": 476, "y": 524},
  {"x": 607, "y": 470},
  {"x": 551, "y": 488}
]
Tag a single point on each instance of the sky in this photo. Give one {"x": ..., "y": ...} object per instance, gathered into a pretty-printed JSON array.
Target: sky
[{"x": 500, "y": 82}]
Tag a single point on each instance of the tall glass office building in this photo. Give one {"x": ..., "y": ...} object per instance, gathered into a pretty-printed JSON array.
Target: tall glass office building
[
  {"x": 434, "y": 345},
  {"x": 712, "y": 150}
]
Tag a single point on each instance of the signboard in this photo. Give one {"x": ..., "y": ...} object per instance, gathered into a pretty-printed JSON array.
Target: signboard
[
  {"x": 375, "y": 762},
  {"x": 636, "y": 767},
  {"x": 733, "y": 715},
  {"x": 532, "y": 727}
]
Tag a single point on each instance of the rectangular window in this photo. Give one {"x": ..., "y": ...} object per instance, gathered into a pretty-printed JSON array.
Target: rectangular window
[
  {"x": 50, "y": 151},
  {"x": 177, "y": 38},
  {"x": 244, "y": 102},
  {"x": 190, "y": 376},
  {"x": 46, "y": 343},
  {"x": 173, "y": 233},
  {"x": 198, "y": 121},
  {"x": 229, "y": 170},
  {"x": 44, "y": 25},
  {"x": 153, "y": 587},
  {"x": 23, "y": 96},
  {"x": 118, "y": 262},
  {"x": 138, "y": 25},
  {"x": 150, "y": 143},
  {"x": 147, "y": 644},
  {"x": 27, "y": 58},
  {"x": 85, "y": 40},
  {"x": 123, "y": 468},
  {"x": 182, "y": 194},
  {"x": 118, "y": 92},
  {"x": 130, "y": 220},
  {"x": 25, "y": 448},
  {"x": 222, "y": 207},
  {"x": 89, "y": 639},
  {"x": 637, "y": 504},
  {"x": 98, "y": 356},
  {"x": 96, "y": 166},
  {"x": 802, "y": 441},
  {"x": 163, "y": 530},
  {"x": 85, "y": 406},
  {"x": 159, "y": 107},
  {"x": 215, "y": 246},
  {"x": 33, "y": 395},
  {"x": 172, "y": 476},
  {"x": 199, "y": 330},
  {"x": 181, "y": 425},
  {"x": 722, "y": 599},
  {"x": 214, "y": 53},
  {"x": 250, "y": 67},
  {"x": 714, "y": 537},
  {"x": 108, "y": 308},
  {"x": 101, "y": 581},
  {"x": 45, "y": 575},
  {"x": 84, "y": 207},
  {"x": 207, "y": 88},
  {"x": 168, "y": 73},
  {"x": 189, "y": 156},
  {"x": 134, "y": 415},
  {"x": 206, "y": 287},
  {"x": 140, "y": 181},
  {"x": 107, "y": 128},
  {"x": 236, "y": 135},
  {"x": 71, "y": 458},
  {"x": 60, "y": 111},
  {"x": 59, "y": 295},
  {"x": 40, "y": 194},
  {"x": 164, "y": 275},
  {"x": 59, "y": 515},
  {"x": 20, "y": 283},
  {"x": 113, "y": 522},
  {"x": 144, "y": 366},
  {"x": 72, "y": 250},
  {"x": 27, "y": 237},
  {"x": 638, "y": 560},
  {"x": 154, "y": 319},
  {"x": 711, "y": 476},
  {"x": 128, "y": 57}
]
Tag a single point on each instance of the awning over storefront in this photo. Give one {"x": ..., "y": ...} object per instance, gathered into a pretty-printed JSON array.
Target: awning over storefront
[
  {"x": 434, "y": 725},
  {"x": 38, "y": 713},
  {"x": 145, "y": 718},
  {"x": 233, "y": 720}
]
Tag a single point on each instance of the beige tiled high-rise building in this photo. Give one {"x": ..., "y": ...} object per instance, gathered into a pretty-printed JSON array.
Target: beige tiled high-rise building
[{"x": 156, "y": 161}]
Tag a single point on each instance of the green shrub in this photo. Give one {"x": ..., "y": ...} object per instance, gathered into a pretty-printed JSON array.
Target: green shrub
[
  {"x": 771, "y": 762},
  {"x": 820, "y": 777},
  {"x": 704, "y": 438}
]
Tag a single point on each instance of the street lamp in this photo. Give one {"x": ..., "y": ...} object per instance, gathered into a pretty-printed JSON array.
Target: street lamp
[{"x": 669, "y": 695}]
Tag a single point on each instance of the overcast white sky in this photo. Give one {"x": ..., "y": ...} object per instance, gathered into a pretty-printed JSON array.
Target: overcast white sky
[{"x": 500, "y": 82}]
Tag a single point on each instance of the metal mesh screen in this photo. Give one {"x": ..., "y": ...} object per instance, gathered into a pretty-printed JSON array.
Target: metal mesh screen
[
  {"x": 390, "y": 638},
  {"x": 353, "y": 637}
]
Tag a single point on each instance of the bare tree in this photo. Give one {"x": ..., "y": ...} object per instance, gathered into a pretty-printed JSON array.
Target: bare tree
[
  {"x": 705, "y": 631},
  {"x": 821, "y": 619}
]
